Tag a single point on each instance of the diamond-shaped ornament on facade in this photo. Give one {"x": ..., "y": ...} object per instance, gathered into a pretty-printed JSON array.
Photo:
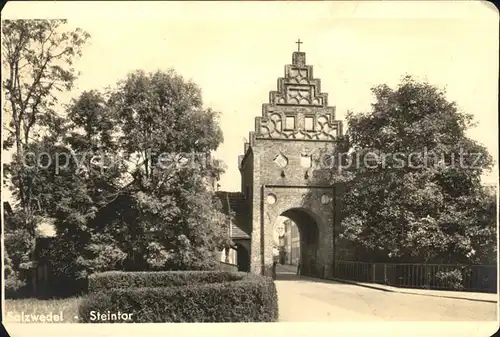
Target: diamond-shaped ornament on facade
[{"x": 281, "y": 160}]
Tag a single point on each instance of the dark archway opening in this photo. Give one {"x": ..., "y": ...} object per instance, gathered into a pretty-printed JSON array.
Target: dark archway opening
[
  {"x": 308, "y": 232},
  {"x": 242, "y": 258}
]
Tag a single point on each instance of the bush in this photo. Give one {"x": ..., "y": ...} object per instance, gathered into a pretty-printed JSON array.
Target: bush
[
  {"x": 117, "y": 279},
  {"x": 191, "y": 296},
  {"x": 450, "y": 279},
  {"x": 14, "y": 285}
]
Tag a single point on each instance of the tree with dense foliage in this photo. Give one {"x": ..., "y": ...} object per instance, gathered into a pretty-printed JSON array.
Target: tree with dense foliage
[
  {"x": 415, "y": 192},
  {"x": 123, "y": 176},
  {"x": 37, "y": 57},
  {"x": 130, "y": 191},
  {"x": 174, "y": 220},
  {"x": 77, "y": 183}
]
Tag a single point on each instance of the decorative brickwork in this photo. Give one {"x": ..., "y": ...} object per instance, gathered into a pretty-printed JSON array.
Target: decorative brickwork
[
  {"x": 283, "y": 170},
  {"x": 298, "y": 109}
]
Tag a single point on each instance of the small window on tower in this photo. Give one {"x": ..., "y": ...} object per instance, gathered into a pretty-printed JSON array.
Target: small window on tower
[
  {"x": 309, "y": 123},
  {"x": 305, "y": 160},
  {"x": 290, "y": 123}
]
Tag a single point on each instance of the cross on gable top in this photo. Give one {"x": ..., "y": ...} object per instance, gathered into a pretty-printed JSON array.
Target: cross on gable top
[{"x": 298, "y": 44}]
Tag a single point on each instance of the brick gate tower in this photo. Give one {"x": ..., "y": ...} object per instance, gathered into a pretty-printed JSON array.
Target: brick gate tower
[{"x": 284, "y": 172}]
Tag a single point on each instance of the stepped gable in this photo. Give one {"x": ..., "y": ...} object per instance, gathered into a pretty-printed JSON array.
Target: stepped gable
[
  {"x": 235, "y": 202},
  {"x": 298, "y": 109}
]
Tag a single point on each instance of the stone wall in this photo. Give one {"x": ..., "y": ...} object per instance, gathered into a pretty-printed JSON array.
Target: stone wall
[
  {"x": 284, "y": 163},
  {"x": 247, "y": 172}
]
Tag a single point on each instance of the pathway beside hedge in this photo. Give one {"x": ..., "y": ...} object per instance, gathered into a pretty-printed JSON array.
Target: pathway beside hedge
[{"x": 304, "y": 299}]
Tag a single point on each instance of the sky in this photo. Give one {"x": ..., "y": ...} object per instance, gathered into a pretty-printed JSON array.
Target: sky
[{"x": 235, "y": 51}]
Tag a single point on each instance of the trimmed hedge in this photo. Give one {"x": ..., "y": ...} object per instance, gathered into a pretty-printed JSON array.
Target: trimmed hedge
[
  {"x": 189, "y": 296},
  {"x": 117, "y": 279}
]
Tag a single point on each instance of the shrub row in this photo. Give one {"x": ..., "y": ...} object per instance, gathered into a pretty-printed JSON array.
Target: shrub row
[
  {"x": 238, "y": 297},
  {"x": 117, "y": 279}
]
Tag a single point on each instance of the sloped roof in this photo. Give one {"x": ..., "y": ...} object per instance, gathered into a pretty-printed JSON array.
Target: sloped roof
[{"x": 235, "y": 202}]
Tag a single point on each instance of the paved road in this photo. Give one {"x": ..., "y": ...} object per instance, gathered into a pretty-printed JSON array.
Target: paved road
[{"x": 303, "y": 299}]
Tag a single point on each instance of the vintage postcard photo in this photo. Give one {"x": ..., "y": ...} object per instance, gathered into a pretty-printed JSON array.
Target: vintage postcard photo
[{"x": 250, "y": 162}]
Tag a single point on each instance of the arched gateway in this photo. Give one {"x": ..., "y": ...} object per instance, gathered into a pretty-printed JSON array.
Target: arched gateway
[{"x": 284, "y": 173}]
